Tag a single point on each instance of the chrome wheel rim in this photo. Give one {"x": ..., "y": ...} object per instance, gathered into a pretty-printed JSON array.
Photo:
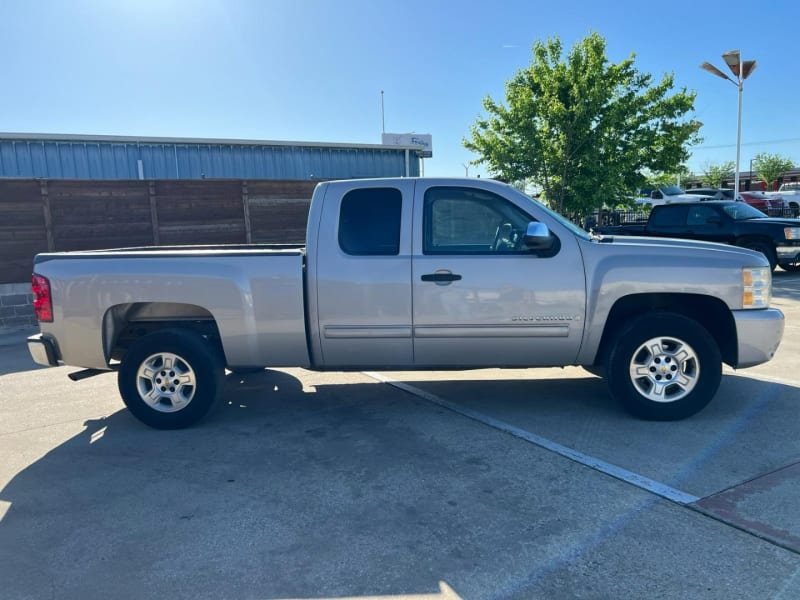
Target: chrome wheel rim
[
  {"x": 166, "y": 382},
  {"x": 664, "y": 369}
]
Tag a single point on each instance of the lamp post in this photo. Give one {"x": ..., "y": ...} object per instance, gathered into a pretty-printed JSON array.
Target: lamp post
[{"x": 741, "y": 70}]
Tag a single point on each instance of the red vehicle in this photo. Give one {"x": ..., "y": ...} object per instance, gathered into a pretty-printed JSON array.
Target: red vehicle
[{"x": 769, "y": 205}]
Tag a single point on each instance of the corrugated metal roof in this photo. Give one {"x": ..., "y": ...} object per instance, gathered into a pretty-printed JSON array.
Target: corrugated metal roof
[{"x": 55, "y": 156}]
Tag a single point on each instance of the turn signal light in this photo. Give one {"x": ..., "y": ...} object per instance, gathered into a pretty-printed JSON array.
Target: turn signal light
[
  {"x": 42, "y": 301},
  {"x": 756, "y": 287},
  {"x": 791, "y": 233}
]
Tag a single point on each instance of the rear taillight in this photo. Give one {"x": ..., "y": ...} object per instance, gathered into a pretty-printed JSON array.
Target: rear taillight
[{"x": 42, "y": 301}]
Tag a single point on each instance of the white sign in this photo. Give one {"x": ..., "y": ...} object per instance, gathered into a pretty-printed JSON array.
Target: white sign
[{"x": 423, "y": 141}]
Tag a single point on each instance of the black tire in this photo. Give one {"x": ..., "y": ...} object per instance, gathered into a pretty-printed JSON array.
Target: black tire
[
  {"x": 766, "y": 249},
  {"x": 791, "y": 267},
  {"x": 596, "y": 370},
  {"x": 664, "y": 367},
  {"x": 171, "y": 379},
  {"x": 246, "y": 370}
]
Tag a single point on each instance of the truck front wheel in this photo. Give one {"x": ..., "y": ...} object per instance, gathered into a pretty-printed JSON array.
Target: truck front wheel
[
  {"x": 170, "y": 379},
  {"x": 664, "y": 367},
  {"x": 791, "y": 267}
]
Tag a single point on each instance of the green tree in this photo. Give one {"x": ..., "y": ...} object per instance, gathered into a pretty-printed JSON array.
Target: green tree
[
  {"x": 583, "y": 129},
  {"x": 674, "y": 177},
  {"x": 714, "y": 174},
  {"x": 770, "y": 167}
]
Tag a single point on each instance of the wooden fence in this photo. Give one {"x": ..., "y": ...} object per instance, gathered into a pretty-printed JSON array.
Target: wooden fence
[{"x": 54, "y": 215}]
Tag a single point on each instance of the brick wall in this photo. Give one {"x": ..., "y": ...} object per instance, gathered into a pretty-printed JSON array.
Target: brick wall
[{"x": 16, "y": 306}]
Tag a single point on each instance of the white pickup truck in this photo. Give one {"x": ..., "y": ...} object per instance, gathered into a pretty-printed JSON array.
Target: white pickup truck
[
  {"x": 411, "y": 274},
  {"x": 790, "y": 194},
  {"x": 668, "y": 194}
]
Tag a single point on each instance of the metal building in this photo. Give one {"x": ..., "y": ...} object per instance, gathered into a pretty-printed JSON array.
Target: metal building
[{"x": 56, "y": 156}]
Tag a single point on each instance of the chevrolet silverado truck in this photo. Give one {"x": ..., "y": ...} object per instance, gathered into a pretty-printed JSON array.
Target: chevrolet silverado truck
[
  {"x": 410, "y": 274},
  {"x": 724, "y": 222}
]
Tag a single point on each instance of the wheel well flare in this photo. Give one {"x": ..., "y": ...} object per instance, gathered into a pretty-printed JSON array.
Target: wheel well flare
[
  {"x": 712, "y": 313},
  {"x": 124, "y": 323}
]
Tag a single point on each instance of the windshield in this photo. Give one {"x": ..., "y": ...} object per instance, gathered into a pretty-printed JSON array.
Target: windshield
[
  {"x": 671, "y": 190},
  {"x": 562, "y": 220},
  {"x": 742, "y": 212}
]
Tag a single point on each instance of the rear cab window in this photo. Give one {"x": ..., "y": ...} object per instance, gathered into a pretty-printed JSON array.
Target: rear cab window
[
  {"x": 669, "y": 216},
  {"x": 369, "y": 222}
]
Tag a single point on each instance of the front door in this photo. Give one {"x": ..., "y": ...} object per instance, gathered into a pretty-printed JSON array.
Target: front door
[
  {"x": 481, "y": 298},
  {"x": 704, "y": 223}
]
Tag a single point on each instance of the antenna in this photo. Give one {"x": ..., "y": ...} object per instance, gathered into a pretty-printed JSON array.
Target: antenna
[{"x": 383, "y": 118}]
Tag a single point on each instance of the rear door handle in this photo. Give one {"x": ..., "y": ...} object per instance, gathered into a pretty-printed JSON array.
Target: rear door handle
[{"x": 441, "y": 277}]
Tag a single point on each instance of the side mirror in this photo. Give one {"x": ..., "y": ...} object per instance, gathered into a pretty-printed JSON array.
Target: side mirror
[
  {"x": 656, "y": 195},
  {"x": 538, "y": 237}
]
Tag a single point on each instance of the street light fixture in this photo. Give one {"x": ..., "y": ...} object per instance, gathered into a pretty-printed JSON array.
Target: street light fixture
[{"x": 741, "y": 70}]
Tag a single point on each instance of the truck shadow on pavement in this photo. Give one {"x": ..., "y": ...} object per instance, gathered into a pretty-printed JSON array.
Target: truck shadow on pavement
[
  {"x": 299, "y": 488},
  {"x": 13, "y": 360}
]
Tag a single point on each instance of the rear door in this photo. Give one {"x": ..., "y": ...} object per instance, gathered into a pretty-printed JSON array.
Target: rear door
[
  {"x": 668, "y": 221},
  {"x": 362, "y": 292}
]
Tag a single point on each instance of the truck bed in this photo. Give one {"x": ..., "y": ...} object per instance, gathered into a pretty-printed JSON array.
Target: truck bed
[{"x": 253, "y": 294}]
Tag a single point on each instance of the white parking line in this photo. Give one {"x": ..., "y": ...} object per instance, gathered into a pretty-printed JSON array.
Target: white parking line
[
  {"x": 640, "y": 481},
  {"x": 768, "y": 378}
]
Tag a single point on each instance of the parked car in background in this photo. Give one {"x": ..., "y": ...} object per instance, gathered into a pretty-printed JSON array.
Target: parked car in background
[
  {"x": 714, "y": 194},
  {"x": 771, "y": 206},
  {"x": 723, "y": 222},
  {"x": 668, "y": 194},
  {"x": 789, "y": 193},
  {"x": 767, "y": 204}
]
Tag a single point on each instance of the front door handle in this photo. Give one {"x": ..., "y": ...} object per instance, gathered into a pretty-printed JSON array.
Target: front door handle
[{"x": 441, "y": 277}]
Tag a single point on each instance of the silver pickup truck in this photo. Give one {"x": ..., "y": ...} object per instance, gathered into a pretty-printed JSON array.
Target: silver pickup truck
[{"x": 411, "y": 274}]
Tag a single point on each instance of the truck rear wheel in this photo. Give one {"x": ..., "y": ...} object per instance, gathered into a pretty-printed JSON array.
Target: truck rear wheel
[
  {"x": 664, "y": 367},
  {"x": 170, "y": 379}
]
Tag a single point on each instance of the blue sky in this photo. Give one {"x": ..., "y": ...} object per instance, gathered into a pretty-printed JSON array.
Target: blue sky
[{"x": 313, "y": 70}]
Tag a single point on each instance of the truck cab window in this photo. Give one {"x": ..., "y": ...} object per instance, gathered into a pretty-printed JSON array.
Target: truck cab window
[
  {"x": 369, "y": 222},
  {"x": 672, "y": 216},
  {"x": 699, "y": 215},
  {"x": 470, "y": 221}
]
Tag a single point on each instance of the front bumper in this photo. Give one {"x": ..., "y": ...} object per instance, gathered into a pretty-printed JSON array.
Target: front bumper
[
  {"x": 759, "y": 334},
  {"x": 42, "y": 350},
  {"x": 787, "y": 254}
]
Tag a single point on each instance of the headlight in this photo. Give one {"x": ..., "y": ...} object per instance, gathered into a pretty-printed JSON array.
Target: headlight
[
  {"x": 756, "y": 287},
  {"x": 791, "y": 233}
]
